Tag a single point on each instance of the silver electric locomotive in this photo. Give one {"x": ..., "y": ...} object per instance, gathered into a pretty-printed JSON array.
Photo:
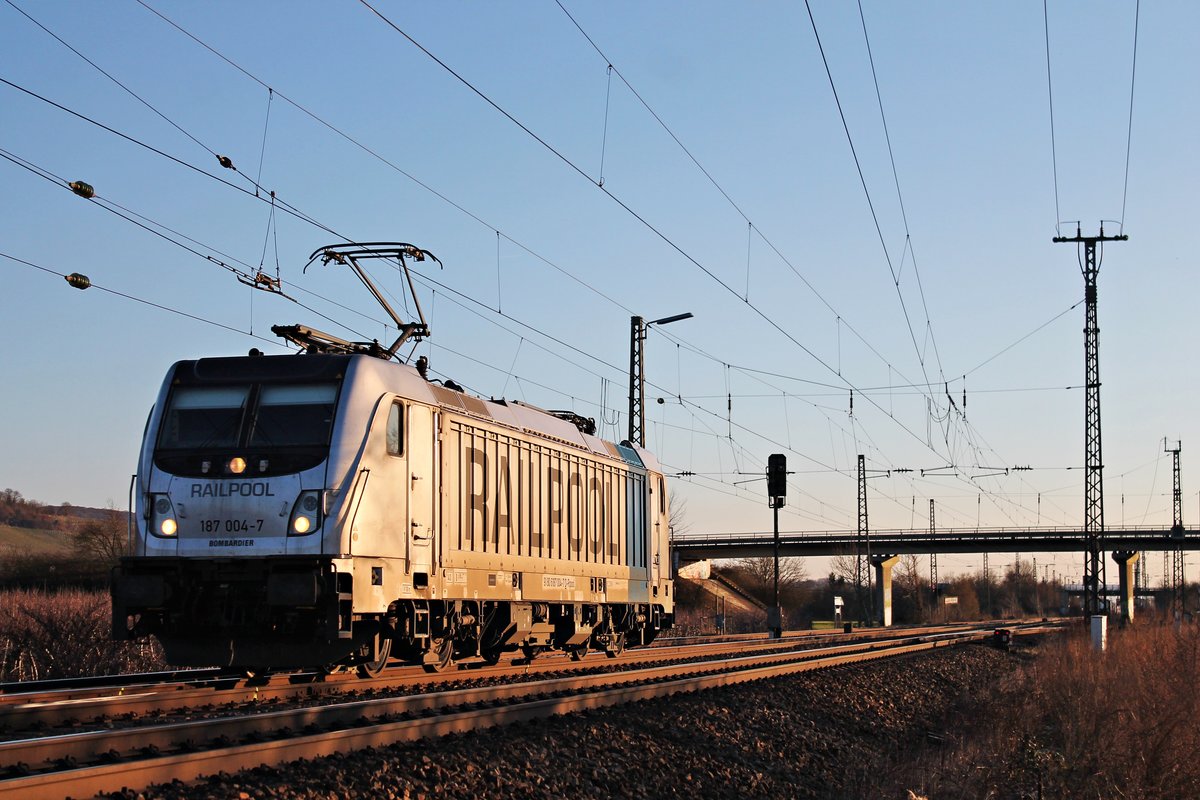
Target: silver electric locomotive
[{"x": 337, "y": 508}]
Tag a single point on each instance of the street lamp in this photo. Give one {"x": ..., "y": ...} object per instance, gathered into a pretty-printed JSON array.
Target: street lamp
[{"x": 637, "y": 374}]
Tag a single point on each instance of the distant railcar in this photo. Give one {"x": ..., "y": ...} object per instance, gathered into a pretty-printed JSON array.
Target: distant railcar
[{"x": 338, "y": 510}]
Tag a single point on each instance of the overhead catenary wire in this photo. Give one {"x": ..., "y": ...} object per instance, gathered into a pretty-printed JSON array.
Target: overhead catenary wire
[
  {"x": 408, "y": 175},
  {"x": 108, "y": 75},
  {"x": 158, "y": 229},
  {"x": 61, "y": 182},
  {"x": 380, "y": 157},
  {"x": 181, "y": 162},
  {"x": 239, "y": 331},
  {"x": 273, "y": 200},
  {"x": 863, "y": 181},
  {"x": 1050, "y": 97},
  {"x": 143, "y": 301},
  {"x": 1137, "y": 13},
  {"x": 900, "y": 196},
  {"x": 752, "y": 228},
  {"x": 632, "y": 212}
]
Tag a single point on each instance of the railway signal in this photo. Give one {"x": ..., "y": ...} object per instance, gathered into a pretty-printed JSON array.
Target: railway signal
[{"x": 777, "y": 495}]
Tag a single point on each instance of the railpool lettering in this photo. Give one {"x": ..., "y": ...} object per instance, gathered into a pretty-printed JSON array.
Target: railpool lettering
[
  {"x": 526, "y": 500},
  {"x": 244, "y": 489}
]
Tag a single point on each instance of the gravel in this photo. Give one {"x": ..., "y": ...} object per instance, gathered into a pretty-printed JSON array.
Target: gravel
[{"x": 832, "y": 733}]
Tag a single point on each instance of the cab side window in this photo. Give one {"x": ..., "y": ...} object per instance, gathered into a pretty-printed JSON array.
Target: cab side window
[{"x": 395, "y": 430}]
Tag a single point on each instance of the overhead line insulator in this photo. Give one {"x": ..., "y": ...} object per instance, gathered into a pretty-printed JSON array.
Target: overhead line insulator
[{"x": 84, "y": 190}]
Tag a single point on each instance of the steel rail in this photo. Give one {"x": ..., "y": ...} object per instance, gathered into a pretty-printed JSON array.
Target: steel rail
[
  {"x": 201, "y": 680},
  {"x": 187, "y": 762},
  {"x": 11, "y": 689},
  {"x": 19, "y": 712}
]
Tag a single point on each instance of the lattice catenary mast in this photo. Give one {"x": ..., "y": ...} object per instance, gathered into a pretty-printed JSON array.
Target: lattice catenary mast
[
  {"x": 1093, "y": 500},
  {"x": 1176, "y": 531},
  {"x": 862, "y": 561},
  {"x": 933, "y": 576}
]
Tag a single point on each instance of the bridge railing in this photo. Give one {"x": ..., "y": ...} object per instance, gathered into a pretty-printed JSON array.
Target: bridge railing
[{"x": 1065, "y": 533}]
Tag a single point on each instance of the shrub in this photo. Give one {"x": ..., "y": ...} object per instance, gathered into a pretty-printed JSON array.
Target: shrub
[
  {"x": 65, "y": 634},
  {"x": 1076, "y": 723}
]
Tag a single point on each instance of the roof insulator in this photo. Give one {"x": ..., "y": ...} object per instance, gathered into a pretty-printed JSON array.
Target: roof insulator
[
  {"x": 77, "y": 280},
  {"x": 82, "y": 189}
]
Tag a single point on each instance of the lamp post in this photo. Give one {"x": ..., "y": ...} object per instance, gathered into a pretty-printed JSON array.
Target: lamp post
[{"x": 637, "y": 374}]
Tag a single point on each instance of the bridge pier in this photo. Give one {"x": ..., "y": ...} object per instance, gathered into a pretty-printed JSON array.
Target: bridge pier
[
  {"x": 883, "y": 588},
  {"x": 1125, "y": 560}
]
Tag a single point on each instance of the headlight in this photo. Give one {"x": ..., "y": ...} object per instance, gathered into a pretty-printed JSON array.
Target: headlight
[
  {"x": 162, "y": 516},
  {"x": 306, "y": 514}
]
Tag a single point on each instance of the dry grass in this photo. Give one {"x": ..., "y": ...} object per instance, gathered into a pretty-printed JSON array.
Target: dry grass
[
  {"x": 26, "y": 541},
  {"x": 1074, "y": 723},
  {"x": 65, "y": 634}
]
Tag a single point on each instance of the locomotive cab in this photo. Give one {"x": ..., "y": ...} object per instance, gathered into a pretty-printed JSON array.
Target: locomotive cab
[{"x": 233, "y": 507}]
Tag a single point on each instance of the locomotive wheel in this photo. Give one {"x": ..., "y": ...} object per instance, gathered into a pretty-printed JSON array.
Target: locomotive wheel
[
  {"x": 530, "y": 652},
  {"x": 491, "y": 656},
  {"x": 579, "y": 653},
  {"x": 444, "y": 649},
  {"x": 369, "y": 669},
  {"x": 616, "y": 646}
]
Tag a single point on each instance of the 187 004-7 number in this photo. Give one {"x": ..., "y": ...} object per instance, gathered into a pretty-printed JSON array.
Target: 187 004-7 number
[{"x": 231, "y": 525}]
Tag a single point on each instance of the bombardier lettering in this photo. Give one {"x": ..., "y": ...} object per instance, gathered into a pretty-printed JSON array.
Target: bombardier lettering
[
  {"x": 247, "y": 489},
  {"x": 231, "y": 543}
]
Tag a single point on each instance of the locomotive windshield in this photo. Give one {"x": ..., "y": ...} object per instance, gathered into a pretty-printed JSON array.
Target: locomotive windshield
[
  {"x": 293, "y": 415},
  {"x": 204, "y": 416},
  {"x": 249, "y": 415}
]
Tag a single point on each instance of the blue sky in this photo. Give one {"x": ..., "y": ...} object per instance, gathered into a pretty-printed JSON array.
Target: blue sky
[{"x": 744, "y": 88}]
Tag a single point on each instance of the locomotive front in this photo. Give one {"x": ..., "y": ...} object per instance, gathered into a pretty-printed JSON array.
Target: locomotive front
[{"x": 231, "y": 507}]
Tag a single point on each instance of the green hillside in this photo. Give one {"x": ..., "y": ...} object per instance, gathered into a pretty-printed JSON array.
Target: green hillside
[{"x": 32, "y": 541}]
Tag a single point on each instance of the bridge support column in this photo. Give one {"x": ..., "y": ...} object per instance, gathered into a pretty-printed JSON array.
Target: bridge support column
[
  {"x": 1125, "y": 560},
  {"x": 883, "y": 588}
]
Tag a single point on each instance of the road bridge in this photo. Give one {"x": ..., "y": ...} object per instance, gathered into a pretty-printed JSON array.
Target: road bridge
[
  {"x": 884, "y": 546},
  {"x": 690, "y": 547}
]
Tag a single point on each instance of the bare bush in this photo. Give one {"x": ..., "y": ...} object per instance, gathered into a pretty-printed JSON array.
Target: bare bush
[
  {"x": 1077, "y": 723},
  {"x": 103, "y": 541},
  {"x": 65, "y": 634}
]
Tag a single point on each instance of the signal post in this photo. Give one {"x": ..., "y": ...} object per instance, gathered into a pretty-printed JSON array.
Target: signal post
[{"x": 776, "y": 496}]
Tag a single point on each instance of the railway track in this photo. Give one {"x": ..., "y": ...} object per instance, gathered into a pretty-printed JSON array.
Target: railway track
[
  {"x": 92, "y": 702},
  {"x": 81, "y": 764}
]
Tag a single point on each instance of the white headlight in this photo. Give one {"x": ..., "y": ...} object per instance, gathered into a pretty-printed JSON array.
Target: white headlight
[{"x": 162, "y": 515}]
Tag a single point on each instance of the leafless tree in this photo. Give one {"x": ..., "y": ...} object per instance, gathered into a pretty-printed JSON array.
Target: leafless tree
[
  {"x": 762, "y": 571},
  {"x": 908, "y": 580},
  {"x": 844, "y": 566},
  {"x": 678, "y": 521},
  {"x": 104, "y": 540}
]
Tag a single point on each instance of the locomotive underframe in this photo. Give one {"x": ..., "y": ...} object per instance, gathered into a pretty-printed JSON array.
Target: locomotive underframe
[{"x": 297, "y": 611}]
